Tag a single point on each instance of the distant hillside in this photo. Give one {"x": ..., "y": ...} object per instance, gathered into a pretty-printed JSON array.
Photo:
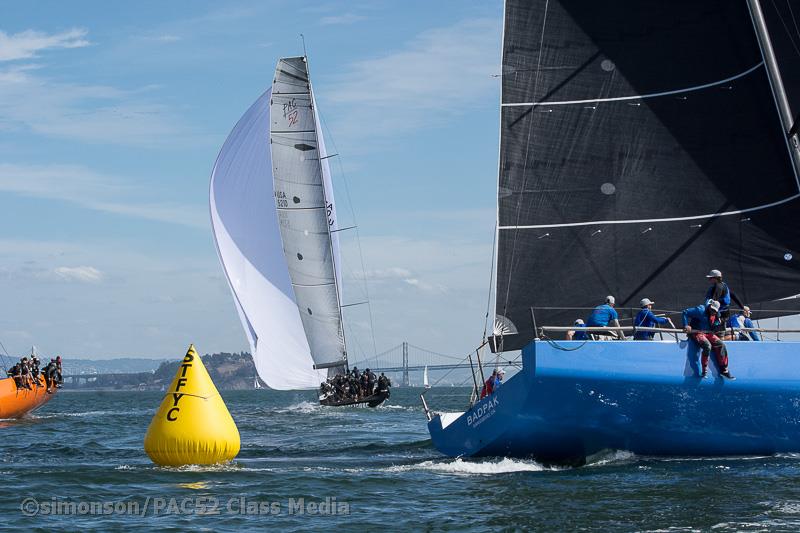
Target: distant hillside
[
  {"x": 109, "y": 366},
  {"x": 228, "y": 370}
]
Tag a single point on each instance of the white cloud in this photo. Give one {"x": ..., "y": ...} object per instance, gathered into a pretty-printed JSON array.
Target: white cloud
[
  {"x": 26, "y": 44},
  {"x": 440, "y": 73},
  {"x": 82, "y": 186},
  {"x": 93, "y": 113},
  {"x": 84, "y": 274},
  {"x": 345, "y": 18},
  {"x": 130, "y": 277},
  {"x": 403, "y": 275}
]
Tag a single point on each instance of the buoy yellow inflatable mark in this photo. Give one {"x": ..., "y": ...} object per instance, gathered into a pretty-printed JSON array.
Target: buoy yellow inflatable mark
[{"x": 192, "y": 425}]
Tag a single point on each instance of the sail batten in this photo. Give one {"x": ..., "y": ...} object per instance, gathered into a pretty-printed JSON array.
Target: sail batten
[
  {"x": 611, "y": 182},
  {"x": 638, "y": 96}
]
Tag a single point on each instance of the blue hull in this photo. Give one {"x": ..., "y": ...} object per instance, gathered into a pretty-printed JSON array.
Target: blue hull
[{"x": 644, "y": 397}]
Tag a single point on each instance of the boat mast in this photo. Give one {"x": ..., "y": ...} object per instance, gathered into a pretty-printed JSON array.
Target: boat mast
[
  {"x": 775, "y": 80},
  {"x": 325, "y": 198}
]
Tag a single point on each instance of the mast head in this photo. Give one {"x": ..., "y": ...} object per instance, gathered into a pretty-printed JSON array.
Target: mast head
[{"x": 303, "y": 38}]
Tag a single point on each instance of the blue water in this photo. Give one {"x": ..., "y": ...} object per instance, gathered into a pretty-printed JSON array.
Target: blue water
[{"x": 369, "y": 469}]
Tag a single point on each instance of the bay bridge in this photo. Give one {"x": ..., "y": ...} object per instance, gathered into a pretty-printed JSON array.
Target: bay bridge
[{"x": 406, "y": 358}]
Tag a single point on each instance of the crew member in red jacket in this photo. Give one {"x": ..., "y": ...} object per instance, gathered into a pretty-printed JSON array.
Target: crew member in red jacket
[{"x": 488, "y": 387}]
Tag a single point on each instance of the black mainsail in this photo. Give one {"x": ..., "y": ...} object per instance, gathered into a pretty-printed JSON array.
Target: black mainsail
[{"x": 642, "y": 145}]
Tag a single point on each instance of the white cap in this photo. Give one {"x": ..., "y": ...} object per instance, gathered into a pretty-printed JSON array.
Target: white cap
[
  {"x": 610, "y": 300},
  {"x": 646, "y": 301},
  {"x": 714, "y": 274},
  {"x": 713, "y": 304},
  {"x": 499, "y": 371},
  {"x": 579, "y": 322}
]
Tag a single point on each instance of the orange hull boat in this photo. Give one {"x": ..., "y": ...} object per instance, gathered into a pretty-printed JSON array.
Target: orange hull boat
[{"x": 16, "y": 403}]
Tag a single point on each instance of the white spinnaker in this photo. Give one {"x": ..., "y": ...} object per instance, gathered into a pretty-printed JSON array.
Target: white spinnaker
[
  {"x": 304, "y": 201},
  {"x": 249, "y": 245}
]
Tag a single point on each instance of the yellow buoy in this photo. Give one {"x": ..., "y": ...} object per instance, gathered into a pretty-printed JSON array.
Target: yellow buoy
[{"x": 192, "y": 426}]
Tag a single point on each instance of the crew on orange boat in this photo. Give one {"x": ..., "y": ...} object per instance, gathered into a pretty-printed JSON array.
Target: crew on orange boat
[
  {"x": 34, "y": 364},
  {"x": 25, "y": 368},
  {"x": 59, "y": 372},
  {"x": 52, "y": 374},
  {"x": 16, "y": 373}
]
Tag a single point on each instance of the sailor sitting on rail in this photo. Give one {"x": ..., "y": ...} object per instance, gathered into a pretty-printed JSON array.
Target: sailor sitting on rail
[
  {"x": 605, "y": 315},
  {"x": 25, "y": 368},
  {"x": 742, "y": 320},
  {"x": 647, "y": 319},
  {"x": 705, "y": 320},
  {"x": 384, "y": 383},
  {"x": 50, "y": 373},
  {"x": 34, "y": 363},
  {"x": 579, "y": 333},
  {"x": 16, "y": 373}
]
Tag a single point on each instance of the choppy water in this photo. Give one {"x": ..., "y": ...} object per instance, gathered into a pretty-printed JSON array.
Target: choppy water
[{"x": 364, "y": 469}]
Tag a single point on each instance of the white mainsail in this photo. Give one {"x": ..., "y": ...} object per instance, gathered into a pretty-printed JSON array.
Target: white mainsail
[
  {"x": 425, "y": 378},
  {"x": 281, "y": 263},
  {"x": 304, "y": 200}
]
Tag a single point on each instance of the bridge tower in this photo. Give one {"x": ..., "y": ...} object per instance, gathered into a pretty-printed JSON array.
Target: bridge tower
[{"x": 406, "y": 382}]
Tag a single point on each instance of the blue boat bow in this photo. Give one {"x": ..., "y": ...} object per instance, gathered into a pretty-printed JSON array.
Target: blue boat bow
[{"x": 644, "y": 397}]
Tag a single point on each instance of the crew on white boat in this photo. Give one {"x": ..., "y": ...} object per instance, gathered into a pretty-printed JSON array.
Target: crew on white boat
[
  {"x": 384, "y": 383},
  {"x": 606, "y": 315},
  {"x": 354, "y": 385},
  {"x": 647, "y": 319},
  {"x": 742, "y": 320}
]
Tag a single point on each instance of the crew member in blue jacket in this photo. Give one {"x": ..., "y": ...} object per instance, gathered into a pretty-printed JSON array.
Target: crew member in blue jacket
[
  {"x": 701, "y": 324},
  {"x": 647, "y": 319},
  {"x": 742, "y": 320},
  {"x": 605, "y": 315},
  {"x": 579, "y": 333},
  {"x": 720, "y": 292}
]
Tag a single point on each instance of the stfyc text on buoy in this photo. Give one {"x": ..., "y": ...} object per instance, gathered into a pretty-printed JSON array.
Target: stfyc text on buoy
[{"x": 192, "y": 425}]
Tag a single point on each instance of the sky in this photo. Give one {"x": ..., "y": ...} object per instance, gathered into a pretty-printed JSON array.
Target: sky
[{"x": 111, "y": 117}]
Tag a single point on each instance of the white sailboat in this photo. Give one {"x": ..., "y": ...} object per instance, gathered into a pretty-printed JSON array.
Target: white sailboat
[
  {"x": 425, "y": 378},
  {"x": 274, "y": 222}
]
